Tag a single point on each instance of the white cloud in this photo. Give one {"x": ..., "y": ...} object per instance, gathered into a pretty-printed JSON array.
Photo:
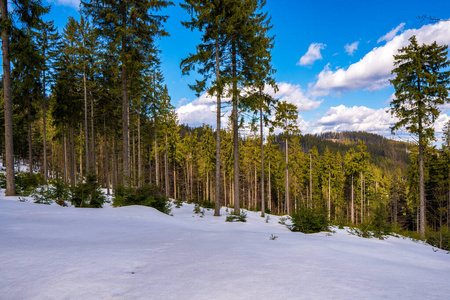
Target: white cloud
[
  {"x": 356, "y": 118},
  {"x": 294, "y": 94},
  {"x": 351, "y": 48},
  {"x": 72, "y": 3},
  {"x": 203, "y": 109},
  {"x": 391, "y": 34},
  {"x": 312, "y": 54},
  {"x": 373, "y": 71}
]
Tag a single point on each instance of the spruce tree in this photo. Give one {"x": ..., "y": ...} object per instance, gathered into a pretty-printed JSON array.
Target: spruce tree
[
  {"x": 421, "y": 86},
  {"x": 28, "y": 13},
  {"x": 132, "y": 27}
]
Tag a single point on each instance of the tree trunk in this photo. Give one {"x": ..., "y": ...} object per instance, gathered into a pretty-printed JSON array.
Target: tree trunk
[
  {"x": 421, "y": 190},
  {"x": 156, "y": 153},
  {"x": 235, "y": 131},
  {"x": 287, "y": 178},
  {"x": 310, "y": 180},
  {"x": 106, "y": 158},
  {"x": 30, "y": 145},
  {"x": 10, "y": 185},
  {"x": 263, "y": 200},
  {"x": 44, "y": 122},
  {"x": 362, "y": 198},
  {"x": 270, "y": 191},
  {"x": 125, "y": 116},
  {"x": 353, "y": 206},
  {"x": 86, "y": 137},
  {"x": 139, "y": 153},
  {"x": 94, "y": 165},
  {"x": 329, "y": 195},
  {"x": 218, "y": 115},
  {"x": 72, "y": 156},
  {"x": 166, "y": 167}
]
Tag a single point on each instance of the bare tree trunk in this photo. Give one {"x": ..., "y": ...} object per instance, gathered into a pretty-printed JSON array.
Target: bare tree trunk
[
  {"x": 218, "y": 128},
  {"x": 362, "y": 198},
  {"x": 353, "y": 206},
  {"x": 235, "y": 131},
  {"x": 94, "y": 165},
  {"x": 263, "y": 200},
  {"x": 72, "y": 156},
  {"x": 106, "y": 158},
  {"x": 86, "y": 137},
  {"x": 10, "y": 185},
  {"x": 139, "y": 153},
  {"x": 329, "y": 195},
  {"x": 156, "y": 154},
  {"x": 270, "y": 191},
  {"x": 125, "y": 116},
  {"x": 175, "y": 196},
  {"x": 287, "y": 178},
  {"x": 421, "y": 190},
  {"x": 44, "y": 121},
  {"x": 66, "y": 173},
  {"x": 310, "y": 179},
  {"x": 30, "y": 145},
  {"x": 166, "y": 167}
]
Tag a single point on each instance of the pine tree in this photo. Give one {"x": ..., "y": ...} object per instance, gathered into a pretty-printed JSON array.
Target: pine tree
[
  {"x": 286, "y": 115},
  {"x": 133, "y": 27},
  {"x": 28, "y": 13},
  {"x": 420, "y": 87}
]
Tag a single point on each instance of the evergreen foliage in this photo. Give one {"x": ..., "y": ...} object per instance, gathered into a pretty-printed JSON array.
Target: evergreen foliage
[
  {"x": 309, "y": 220},
  {"x": 147, "y": 195},
  {"x": 88, "y": 193}
]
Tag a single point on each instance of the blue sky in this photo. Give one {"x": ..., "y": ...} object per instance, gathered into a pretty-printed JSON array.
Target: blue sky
[{"x": 333, "y": 58}]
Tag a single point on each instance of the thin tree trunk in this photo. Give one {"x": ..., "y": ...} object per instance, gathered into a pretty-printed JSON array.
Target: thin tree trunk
[
  {"x": 421, "y": 190},
  {"x": 263, "y": 200},
  {"x": 362, "y": 198},
  {"x": 235, "y": 131},
  {"x": 310, "y": 179},
  {"x": 156, "y": 154},
  {"x": 94, "y": 165},
  {"x": 175, "y": 196},
  {"x": 44, "y": 120},
  {"x": 166, "y": 167},
  {"x": 30, "y": 145},
  {"x": 329, "y": 195},
  {"x": 218, "y": 128},
  {"x": 270, "y": 191},
  {"x": 125, "y": 115},
  {"x": 86, "y": 137},
  {"x": 9, "y": 149},
  {"x": 65, "y": 159},
  {"x": 353, "y": 206},
  {"x": 72, "y": 155},
  {"x": 287, "y": 178},
  {"x": 139, "y": 153},
  {"x": 106, "y": 158}
]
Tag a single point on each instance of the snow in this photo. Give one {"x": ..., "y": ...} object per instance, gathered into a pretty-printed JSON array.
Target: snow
[{"x": 135, "y": 252}]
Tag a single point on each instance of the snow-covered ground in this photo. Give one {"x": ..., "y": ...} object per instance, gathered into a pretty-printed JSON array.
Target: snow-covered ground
[{"x": 52, "y": 252}]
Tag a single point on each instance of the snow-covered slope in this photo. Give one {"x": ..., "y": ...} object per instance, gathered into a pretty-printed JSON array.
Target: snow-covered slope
[{"x": 51, "y": 252}]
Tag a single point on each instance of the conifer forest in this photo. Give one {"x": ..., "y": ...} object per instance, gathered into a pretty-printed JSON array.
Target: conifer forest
[{"x": 87, "y": 108}]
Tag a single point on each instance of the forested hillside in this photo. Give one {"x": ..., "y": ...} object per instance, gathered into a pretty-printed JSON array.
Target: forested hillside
[{"x": 88, "y": 107}]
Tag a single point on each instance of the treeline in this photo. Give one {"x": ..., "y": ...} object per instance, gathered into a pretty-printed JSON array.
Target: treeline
[{"x": 92, "y": 101}]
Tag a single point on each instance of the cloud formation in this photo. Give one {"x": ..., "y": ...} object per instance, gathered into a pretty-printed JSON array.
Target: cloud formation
[
  {"x": 351, "y": 48},
  {"x": 373, "y": 71},
  {"x": 203, "y": 109},
  {"x": 312, "y": 54},
  {"x": 356, "y": 118},
  {"x": 391, "y": 34}
]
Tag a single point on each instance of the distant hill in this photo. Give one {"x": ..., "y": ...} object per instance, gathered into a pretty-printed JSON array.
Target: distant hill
[{"x": 382, "y": 150}]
